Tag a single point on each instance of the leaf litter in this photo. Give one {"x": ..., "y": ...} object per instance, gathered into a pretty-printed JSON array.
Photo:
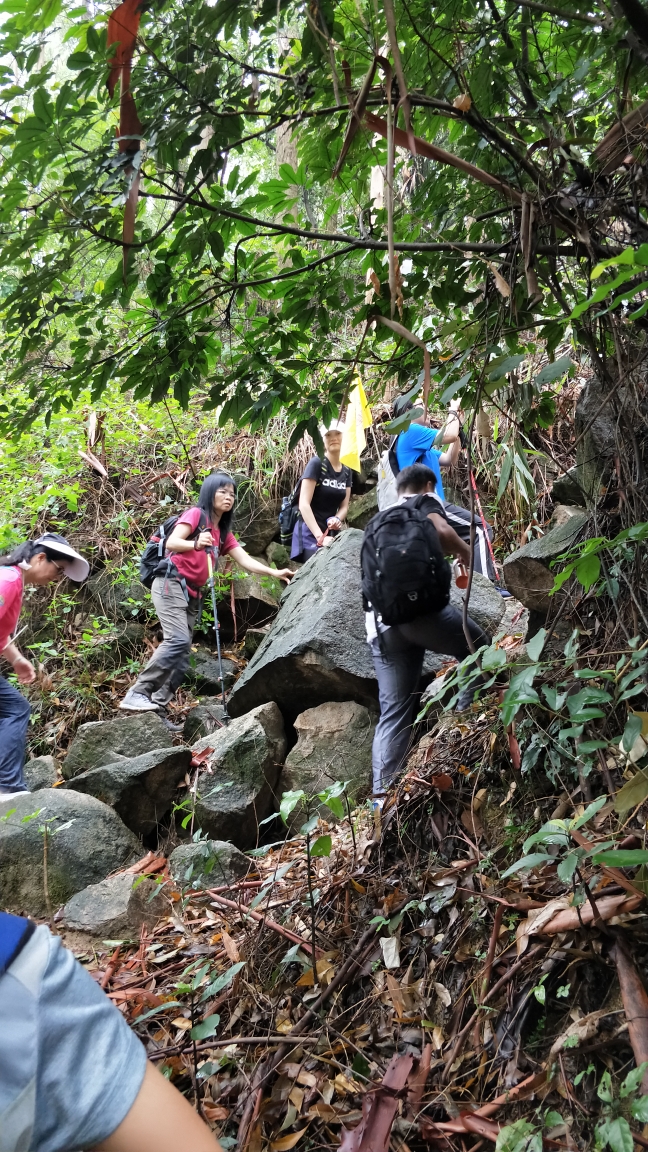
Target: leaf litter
[{"x": 455, "y": 1007}]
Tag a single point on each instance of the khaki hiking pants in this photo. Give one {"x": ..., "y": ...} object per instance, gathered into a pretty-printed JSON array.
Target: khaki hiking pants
[{"x": 168, "y": 666}]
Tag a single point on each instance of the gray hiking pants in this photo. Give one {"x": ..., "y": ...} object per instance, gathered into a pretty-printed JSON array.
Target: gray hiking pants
[
  {"x": 168, "y": 666},
  {"x": 398, "y": 660}
]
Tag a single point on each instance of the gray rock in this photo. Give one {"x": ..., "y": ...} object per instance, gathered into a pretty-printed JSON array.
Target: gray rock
[
  {"x": 486, "y": 605},
  {"x": 114, "y": 907},
  {"x": 92, "y": 842},
  {"x": 105, "y": 741},
  {"x": 115, "y": 599},
  {"x": 333, "y": 743},
  {"x": 362, "y": 508},
  {"x": 111, "y": 649},
  {"x": 562, "y": 513},
  {"x": 599, "y": 437},
  {"x": 277, "y": 554},
  {"x": 204, "y": 672},
  {"x": 254, "y": 637},
  {"x": 566, "y": 489},
  {"x": 140, "y": 790},
  {"x": 238, "y": 789},
  {"x": 41, "y": 772},
  {"x": 316, "y": 650},
  {"x": 202, "y": 720},
  {"x": 208, "y": 864},
  {"x": 527, "y": 572},
  {"x": 255, "y": 523}
]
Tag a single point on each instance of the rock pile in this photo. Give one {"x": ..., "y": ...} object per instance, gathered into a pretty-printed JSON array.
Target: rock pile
[{"x": 311, "y": 675}]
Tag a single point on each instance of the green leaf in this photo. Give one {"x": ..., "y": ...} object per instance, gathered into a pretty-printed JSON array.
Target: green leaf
[
  {"x": 639, "y": 1109},
  {"x": 588, "y": 571},
  {"x": 630, "y": 732},
  {"x": 322, "y": 846},
  {"x": 501, "y": 367},
  {"x": 289, "y": 802},
  {"x": 536, "y": 644},
  {"x": 532, "y": 861},
  {"x": 361, "y": 1066},
  {"x": 567, "y": 867},
  {"x": 590, "y": 811},
  {"x": 553, "y": 371},
  {"x": 208, "y": 1028},
  {"x": 222, "y": 981},
  {"x": 604, "y": 1090},
  {"x": 633, "y": 1080},
  {"x": 619, "y": 1135},
  {"x": 622, "y": 858},
  {"x": 159, "y": 1008},
  {"x": 521, "y": 1136}
]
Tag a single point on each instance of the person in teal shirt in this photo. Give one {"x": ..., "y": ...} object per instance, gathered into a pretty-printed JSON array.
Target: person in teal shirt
[{"x": 416, "y": 446}]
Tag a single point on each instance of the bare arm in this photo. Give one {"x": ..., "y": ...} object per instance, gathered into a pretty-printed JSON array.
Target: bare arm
[
  {"x": 447, "y": 459},
  {"x": 449, "y": 540},
  {"x": 249, "y": 564},
  {"x": 179, "y": 539},
  {"x": 344, "y": 506},
  {"x": 161, "y": 1120},
  {"x": 306, "y": 493},
  {"x": 23, "y": 667}
]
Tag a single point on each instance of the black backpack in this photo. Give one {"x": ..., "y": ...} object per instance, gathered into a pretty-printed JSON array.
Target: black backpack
[
  {"x": 404, "y": 571},
  {"x": 151, "y": 561},
  {"x": 289, "y": 514}
]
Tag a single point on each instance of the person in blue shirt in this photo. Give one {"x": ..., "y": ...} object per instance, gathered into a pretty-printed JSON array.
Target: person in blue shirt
[{"x": 416, "y": 446}]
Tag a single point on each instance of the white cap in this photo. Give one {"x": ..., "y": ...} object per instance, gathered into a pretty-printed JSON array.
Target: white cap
[
  {"x": 75, "y": 566},
  {"x": 334, "y": 426}
]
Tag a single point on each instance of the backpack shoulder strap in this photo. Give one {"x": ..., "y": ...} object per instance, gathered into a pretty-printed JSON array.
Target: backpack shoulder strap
[{"x": 15, "y": 931}]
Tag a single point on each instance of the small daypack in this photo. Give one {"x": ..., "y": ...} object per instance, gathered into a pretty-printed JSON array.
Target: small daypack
[
  {"x": 388, "y": 470},
  {"x": 404, "y": 571},
  {"x": 289, "y": 514},
  {"x": 152, "y": 559}
]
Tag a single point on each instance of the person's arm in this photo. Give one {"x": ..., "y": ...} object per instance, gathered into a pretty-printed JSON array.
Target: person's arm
[
  {"x": 452, "y": 426},
  {"x": 23, "y": 667},
  {"x": 449, "y": 540},
  {"x": 179, "y": 539},
  {"x": 160, "y": 1120},
  {"x": 306, "y": 493},
  {"x": 447, "y": 459},
  {"x": 249, "y": 564},
  {"x": 336, "y": 521}
]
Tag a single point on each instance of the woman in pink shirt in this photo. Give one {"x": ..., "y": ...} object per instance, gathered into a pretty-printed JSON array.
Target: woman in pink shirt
[
  {"x": 35, "y": 562},
  {"x": 177, "y": 590}
]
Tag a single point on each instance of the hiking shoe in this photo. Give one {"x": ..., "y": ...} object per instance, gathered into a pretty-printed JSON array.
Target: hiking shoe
[
  {"x": 137, "y": 702},
  {"x": 12, "y": 795}
]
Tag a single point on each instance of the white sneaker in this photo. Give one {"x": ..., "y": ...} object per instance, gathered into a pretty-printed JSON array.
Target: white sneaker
[
  {"x": 137, "y": 702},
  {"x": 12, "y": 795}
]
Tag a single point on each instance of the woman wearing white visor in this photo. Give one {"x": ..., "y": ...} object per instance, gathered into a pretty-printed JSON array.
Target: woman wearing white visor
[
  {"x": 324, "y": 494},
  {"x": 38, "y": 562}
]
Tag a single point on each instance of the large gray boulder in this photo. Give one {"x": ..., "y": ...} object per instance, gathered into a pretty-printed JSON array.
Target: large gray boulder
[
  {"x": 104, "y": 741},
  {"x": 86, "y": 840},
  {"x": 237, "y": 789},
  {"x": 599, "y": 436},
  {"x": 527, "y": 572},
  {"x": 255, "y": 599},
  {"x": 116, "y": 599},
  {"x": 316, "y": 650},
  {"x": 202, "y": 720},
  {"x": 208, "y": 864},
  {"x": 333, "y": 743},
  {"x": 117, "y": 906},
  {"x": 204, "y": 672},
  {"x": 362, "y": 508},
  {"x": 255, "y": 521},
  {"x": 41, "y": 772},
  {"x": 140, "y": 790}
]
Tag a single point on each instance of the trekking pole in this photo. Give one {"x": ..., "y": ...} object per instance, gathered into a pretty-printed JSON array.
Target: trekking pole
[
  {"x": 473, "y": 485},
  {"x": 210, "y": 567}
]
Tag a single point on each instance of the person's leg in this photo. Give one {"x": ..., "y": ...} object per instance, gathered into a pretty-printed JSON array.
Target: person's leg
[
  {"x": 171, "y": 658},
  {"x": 14, "y": 719},
  {"x": 443, "y": 632},
  {"x": 398, "y": 671},
  {"x": 176, "y": 674}
]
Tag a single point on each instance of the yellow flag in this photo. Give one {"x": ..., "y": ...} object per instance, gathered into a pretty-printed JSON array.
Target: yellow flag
[{"x": 357, "y": 419}]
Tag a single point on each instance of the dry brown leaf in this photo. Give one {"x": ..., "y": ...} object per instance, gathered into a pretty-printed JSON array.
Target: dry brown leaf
[
  {"x": 462, "y": 102},
  {"x": 215, "y": 1112},
  {"x": 297, "y": 1097},
  {"x": 502, "y": 285},
  {"x": 582, "y": 1029},
  {"x": 395, "y": 994},
  {"x": 308, "y": 1079},
  {"x": 286, "y": 1142},
  {"x": 180, "y": 1022},
  {"x": 231, "y": 948},
  {"x": 443, "y": 994}
]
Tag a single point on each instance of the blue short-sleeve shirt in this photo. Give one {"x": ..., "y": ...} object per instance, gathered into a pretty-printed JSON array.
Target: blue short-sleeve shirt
[{"x": 416, "y": 447}]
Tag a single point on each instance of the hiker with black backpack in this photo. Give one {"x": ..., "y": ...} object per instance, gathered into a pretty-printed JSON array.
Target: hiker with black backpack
[
  {"x": 406, "y": 591},
  {"x": 318, "y": 506},
  {"x": 175, "y": 566}
]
